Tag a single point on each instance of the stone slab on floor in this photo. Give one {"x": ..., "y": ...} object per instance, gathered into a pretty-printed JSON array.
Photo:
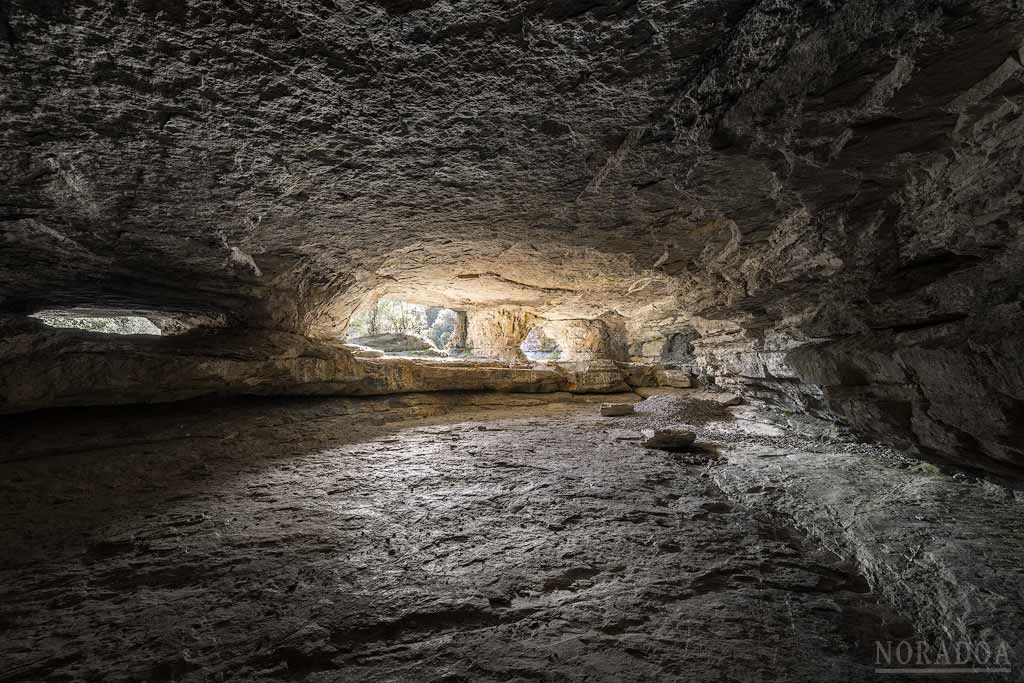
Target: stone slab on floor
[{"x": 617, "y": 409}]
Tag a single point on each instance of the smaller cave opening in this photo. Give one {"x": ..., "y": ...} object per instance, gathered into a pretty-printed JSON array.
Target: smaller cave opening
[
  {"x": 678, "y": 348},
  {"x": 538, "y": 346},
  {"x": 401, "y": 328},
  {"x": 107, "y": 322}
]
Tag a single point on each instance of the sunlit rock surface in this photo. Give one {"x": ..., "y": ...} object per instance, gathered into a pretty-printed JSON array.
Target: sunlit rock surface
[
  {"x": 397, "y": 343},
  {"x": 83, "y": 368},
  {"x": 500, "y": 332}
]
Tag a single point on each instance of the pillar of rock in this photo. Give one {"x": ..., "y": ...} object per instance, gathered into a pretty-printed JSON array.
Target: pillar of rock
[
  {"x": 457, "y": 342},
  {"x": 585, "y": 340},
  {"x": 499, "y": 332}
]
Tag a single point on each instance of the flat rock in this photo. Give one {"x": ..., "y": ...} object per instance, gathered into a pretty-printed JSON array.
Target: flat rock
[
  {"x": 668, "y": 439},
  {"x": 593, "y": 377},
  {"x": 98, "y": 369},
  {"x": 617, "y": 409},
  {"x": 618, "y": 397},
  {"x": 679, "y": 379},
  {"x": 408, "y": 534},
  {"x": 965, "y": 539},
  {"x": 363, "y": 351}
]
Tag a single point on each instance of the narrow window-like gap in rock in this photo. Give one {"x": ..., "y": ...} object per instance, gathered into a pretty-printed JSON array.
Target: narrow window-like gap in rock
[
  {"x": 106, "y": 323},
  {"x": 401, "y": 328},
  {"x": 538, "y": 346}
]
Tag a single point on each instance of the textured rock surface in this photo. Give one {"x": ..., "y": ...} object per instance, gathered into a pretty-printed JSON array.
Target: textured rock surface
[
  {"x": 499, "y": 332},
  {"x": 941, "y": 549},
  {"x": 763, "y": 189},
  {"x": 263, "y": 542},
  {"x": 596, "y": 376},
  {"x": 457, "y": 342},
  {"x": 724, "y": 399},
  {"x": 668, "y": 377},
  {"x": 648, "y": 392},
  {"x": 944, "y": 550},
  {"x": 589, "y": 339},
  {"x": 83, "y": 368}
]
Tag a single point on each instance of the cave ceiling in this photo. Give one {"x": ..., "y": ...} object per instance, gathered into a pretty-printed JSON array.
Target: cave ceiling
[{"x": 282, "y": 162}]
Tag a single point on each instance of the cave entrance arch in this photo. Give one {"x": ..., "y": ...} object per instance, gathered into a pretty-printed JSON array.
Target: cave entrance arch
[
  {"x": 402, "y": 328},
  {"x": 539, "y": 346},
  {"x": 102, "y": 322}
]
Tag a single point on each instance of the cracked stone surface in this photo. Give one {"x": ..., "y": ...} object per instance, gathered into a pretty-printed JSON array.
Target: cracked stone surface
[{"x": 283, "y": 541}]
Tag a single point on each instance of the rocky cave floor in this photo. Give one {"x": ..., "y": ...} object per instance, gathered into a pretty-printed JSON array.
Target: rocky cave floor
[{"x": 509, "y": 538}]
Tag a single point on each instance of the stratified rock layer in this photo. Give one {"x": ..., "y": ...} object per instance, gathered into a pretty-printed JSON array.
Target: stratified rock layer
[{"x": 85, "y": 368}]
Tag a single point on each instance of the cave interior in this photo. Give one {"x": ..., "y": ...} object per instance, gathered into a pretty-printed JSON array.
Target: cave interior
[{"x": 505, "y": 340}]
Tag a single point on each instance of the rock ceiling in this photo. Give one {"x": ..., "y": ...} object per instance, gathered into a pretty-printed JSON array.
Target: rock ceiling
[{"x": 277, "y": 161}]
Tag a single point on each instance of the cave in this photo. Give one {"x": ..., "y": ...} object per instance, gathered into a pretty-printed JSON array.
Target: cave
[
  {"x": 108, "y": 322},
  {"x": 702, "y": 357},
  {"x": 538, "y": 346}
]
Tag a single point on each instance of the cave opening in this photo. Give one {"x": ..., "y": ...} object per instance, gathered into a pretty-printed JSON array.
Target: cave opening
[
  {"x": 538, "y": 346},
  {"x": 403, "y": 328},
  {"x": 105, "y": 322}
]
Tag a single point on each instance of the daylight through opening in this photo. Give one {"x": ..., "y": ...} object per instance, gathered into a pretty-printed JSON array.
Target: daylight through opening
[
  {"x": 404, "y": 329},
  {"x": 103, "y": 324},
  {"x": 538, "y": 346}
]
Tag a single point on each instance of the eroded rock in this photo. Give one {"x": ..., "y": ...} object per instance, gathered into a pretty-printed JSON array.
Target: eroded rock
[
  {"x": 394, "y": 342},
  {"x": 639, "y": 374},
  {"x": 430, "y": 548},
  {"x": 647, "y": 392},
  {"x": 724, "y": 399},
  {"x": 499, "y": 332}
]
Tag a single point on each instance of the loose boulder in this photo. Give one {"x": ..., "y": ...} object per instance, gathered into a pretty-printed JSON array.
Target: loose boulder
[
  {"x": 668, "y": 439},
  {"x": 617, "y": 409},
  {"x": 679, "y": 379}
]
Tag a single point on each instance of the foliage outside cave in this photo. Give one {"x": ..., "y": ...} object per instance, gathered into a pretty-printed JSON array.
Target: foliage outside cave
[{"x": 389, "y": 316}]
